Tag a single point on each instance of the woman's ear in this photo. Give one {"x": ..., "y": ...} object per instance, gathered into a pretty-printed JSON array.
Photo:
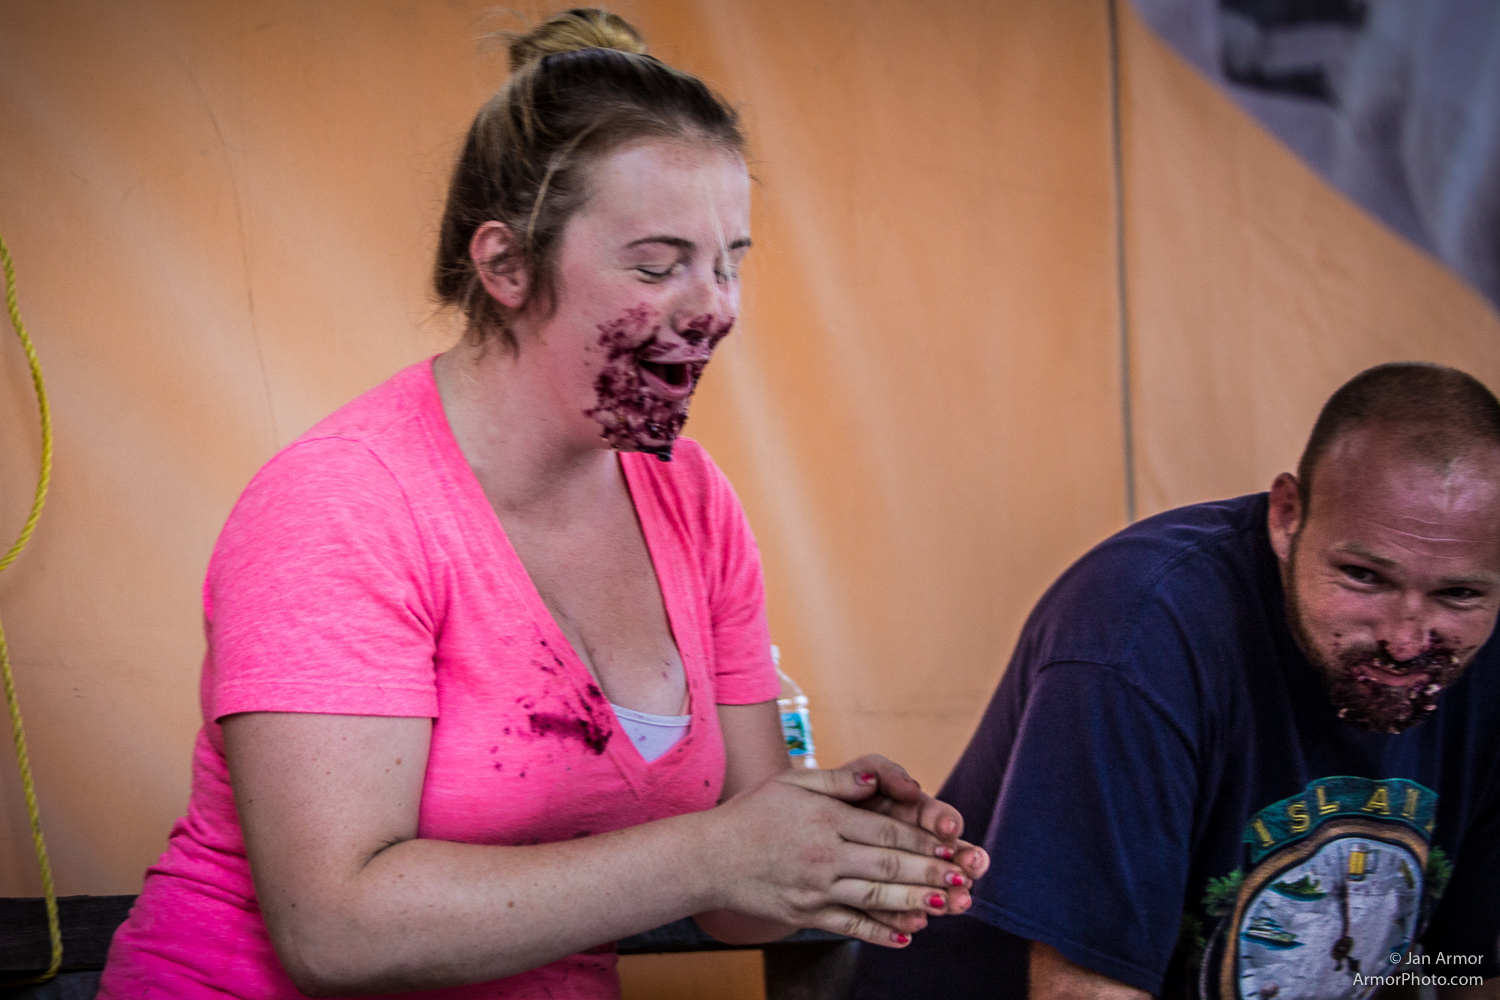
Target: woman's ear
[{"x": 505, "y": 278}]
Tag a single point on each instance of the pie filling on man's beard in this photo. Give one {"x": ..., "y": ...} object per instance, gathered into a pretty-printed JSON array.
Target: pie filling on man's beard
[{"x": 1372, "y": 690}]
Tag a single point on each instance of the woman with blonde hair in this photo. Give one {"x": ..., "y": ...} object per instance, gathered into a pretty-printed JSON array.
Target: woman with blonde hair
[{"x": 488, "y": 682}]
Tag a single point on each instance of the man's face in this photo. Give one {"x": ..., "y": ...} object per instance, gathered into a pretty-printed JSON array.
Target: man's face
[{"x": 1393, "y": 576}]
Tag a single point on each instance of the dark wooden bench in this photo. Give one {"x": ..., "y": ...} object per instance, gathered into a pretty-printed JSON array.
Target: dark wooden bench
[{"x": 809, "y": 965}]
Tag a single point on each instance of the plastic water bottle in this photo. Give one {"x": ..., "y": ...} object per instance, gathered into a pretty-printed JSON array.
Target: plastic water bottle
[{"x": 796, "y": 724}]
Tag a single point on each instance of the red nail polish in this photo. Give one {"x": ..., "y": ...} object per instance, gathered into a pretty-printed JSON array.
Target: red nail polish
[
  {"x": 945, "y": 852},
  {"x": 954, "y": 878},
  {"x": 865, "y": 779},
  {"x": 900, "y": 938},
  {"x": 936, "y": 902}
]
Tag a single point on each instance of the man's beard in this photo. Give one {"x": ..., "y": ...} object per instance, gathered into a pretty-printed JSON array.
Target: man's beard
[
  {"x": 1380, "y": 706},
  {"x": 1357, "y": 690}
]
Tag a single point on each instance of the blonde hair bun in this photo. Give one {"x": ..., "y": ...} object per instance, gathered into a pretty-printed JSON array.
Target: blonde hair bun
[{"x": 571, "y": 30}]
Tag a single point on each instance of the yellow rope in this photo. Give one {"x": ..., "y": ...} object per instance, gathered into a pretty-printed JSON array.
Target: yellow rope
[{"x": 54, "y": 927}]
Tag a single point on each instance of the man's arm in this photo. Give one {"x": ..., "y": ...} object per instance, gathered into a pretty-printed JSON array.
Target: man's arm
[
  {"x": 1091, "y": 835},
  {"x": 1055, "y": 978}
]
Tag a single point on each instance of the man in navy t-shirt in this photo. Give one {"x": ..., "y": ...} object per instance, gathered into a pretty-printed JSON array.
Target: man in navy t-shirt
[{"x": 1251, "y": 749}]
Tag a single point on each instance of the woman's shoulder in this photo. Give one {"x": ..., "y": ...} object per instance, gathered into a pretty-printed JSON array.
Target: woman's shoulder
[
  {"x": 350, "y": 467},
  {"x": 379, "y": 411},
  {"x": 361, "y": 447}
]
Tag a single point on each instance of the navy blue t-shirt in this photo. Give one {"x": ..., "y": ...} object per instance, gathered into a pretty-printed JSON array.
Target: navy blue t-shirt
[{"x": 1170, "y": 800}]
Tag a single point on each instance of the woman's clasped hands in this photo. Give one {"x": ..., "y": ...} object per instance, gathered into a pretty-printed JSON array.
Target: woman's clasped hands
[{"x": 860, "y": 851}]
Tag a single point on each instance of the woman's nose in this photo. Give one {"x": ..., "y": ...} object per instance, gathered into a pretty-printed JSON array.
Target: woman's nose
[{"x": 711, "y": 295}]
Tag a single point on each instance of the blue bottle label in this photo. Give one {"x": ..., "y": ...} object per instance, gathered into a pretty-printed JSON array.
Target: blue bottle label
[{"x": 796, "y": 727}]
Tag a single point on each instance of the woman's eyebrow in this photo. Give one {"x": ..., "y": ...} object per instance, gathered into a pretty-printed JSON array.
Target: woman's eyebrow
[
  {"x": 671, "y": 241},
  {"x": 681, "y": 244}
]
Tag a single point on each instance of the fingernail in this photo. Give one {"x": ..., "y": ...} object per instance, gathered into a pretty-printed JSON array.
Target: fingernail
[
  {"x": 900, "y": 938},
  {"x": 945, "y": 852},
  {"x": 954, "y": 878},
  {"x": 948, "y": 827},
  {"x": 964, "y": 904},
  {"x": 865, "y": 779},
  {"x": 936, "y": 902}
]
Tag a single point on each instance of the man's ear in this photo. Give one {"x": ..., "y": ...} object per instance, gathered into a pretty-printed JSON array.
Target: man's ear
[
  {"x": 1284, "y": 517},
  {"x": 508, "y": 281}
]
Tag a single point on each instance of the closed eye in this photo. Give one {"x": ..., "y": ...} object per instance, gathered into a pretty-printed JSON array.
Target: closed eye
[
  {"x": 1361, "y": 574},
  {"x": 727, "y": 268},
  {"x": 656, "y": 273}
]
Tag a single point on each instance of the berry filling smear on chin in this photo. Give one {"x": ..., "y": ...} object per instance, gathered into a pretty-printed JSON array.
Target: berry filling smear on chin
[
  {"x": 642, "y": 390},
  {"x": 1373, "y": 691}
]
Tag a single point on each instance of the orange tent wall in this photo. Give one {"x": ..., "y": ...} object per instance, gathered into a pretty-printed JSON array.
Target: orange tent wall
[{"x": 223, "y": 215}]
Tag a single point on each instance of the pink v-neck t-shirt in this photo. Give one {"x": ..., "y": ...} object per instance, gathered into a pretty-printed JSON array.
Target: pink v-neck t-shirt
[{"x": 363, "y": 572}]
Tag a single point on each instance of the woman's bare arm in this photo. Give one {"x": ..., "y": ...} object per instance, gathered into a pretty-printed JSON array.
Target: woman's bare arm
[
  {"x": 355, "y": 903},
  {"x": 754, "y": 748},
  {"x": 754, "y": 751}
]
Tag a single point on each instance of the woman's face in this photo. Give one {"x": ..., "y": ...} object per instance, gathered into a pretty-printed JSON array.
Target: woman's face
[{"x": 648, "y": 284}]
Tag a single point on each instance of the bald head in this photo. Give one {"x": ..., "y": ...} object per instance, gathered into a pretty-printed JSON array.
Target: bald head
[{"x": 1426, "y": 414}]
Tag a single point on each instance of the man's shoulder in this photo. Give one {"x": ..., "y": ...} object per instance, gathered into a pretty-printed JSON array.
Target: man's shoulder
[
  {"x": 1196, "y": 568},
  {"x": 1183, "y": 540}
]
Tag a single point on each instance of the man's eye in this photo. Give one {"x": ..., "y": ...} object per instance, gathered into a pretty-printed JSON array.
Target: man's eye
[
  {"x": 655, "y": 273},
  {"x": 1459, "y": 594},
  {"x": 1360, "y": 574}
]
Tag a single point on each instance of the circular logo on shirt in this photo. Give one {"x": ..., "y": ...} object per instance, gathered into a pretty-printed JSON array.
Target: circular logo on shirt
[{"x": 1317, "y": 918}]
